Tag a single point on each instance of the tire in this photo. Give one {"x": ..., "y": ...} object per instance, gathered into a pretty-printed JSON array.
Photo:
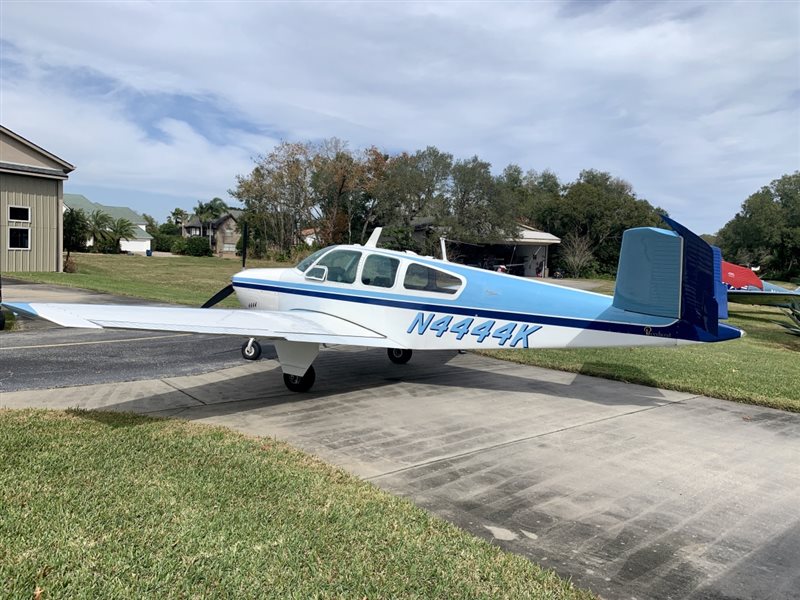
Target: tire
[
  {"x": 300, "y": 384},
  {"x": 399, "y": 356},
  {"x": 254, "y": 352}
]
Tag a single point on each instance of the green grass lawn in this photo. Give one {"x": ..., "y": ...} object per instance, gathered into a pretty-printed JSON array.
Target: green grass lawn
[
  {"x": 105, "y": 505},
  {"x": 178, "y": 279},
  {"x": 761, "y": 369}
]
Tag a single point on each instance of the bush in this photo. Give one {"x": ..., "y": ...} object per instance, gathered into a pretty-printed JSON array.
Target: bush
[
  {"x": 70, "y": 266},
  {"x": 164, "y": 243},
  {"x": 106, "y": 246},
  {"x": 178, "y": 246},
  {"x": 198, "y": 246}
]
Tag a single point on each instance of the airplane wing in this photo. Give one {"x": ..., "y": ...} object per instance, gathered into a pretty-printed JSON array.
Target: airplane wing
[
  {"x": 781, "y": 299},
  {"x": 293, "y": 326}
]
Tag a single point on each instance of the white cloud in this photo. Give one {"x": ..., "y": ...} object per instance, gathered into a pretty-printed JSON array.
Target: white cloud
[{"x": 695, "y": 104}]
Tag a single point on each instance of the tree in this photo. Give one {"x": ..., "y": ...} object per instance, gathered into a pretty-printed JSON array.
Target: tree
[
  {"x": 178, "y": 217},
  {"x": 208, "y": 212},
  {"x": 120, "y": 229},
  {"x": 169, "y": 229},
  {"x": 99, "y": 223},
  {"x": 415, "y": 186},
  {"x": 476, "y": 210},
  {"x": 597, "y": 207},
  {"x": 76, "y": 230},
  {"x": 766, "y": 231},
  {"x": 576, "y": 254},
  {"x": 278, "y": 196},
  {"x": 336, "y": 182},
  {"x": 151, "y": 225}
]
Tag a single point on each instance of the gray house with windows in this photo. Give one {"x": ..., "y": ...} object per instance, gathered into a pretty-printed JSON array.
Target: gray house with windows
[{"x": 31, "y": 205}]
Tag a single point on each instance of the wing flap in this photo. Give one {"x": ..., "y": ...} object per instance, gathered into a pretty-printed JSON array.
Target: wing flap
[{"x": 301, "y": 326}]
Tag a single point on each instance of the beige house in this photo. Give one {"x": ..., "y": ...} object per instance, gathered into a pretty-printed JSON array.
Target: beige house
[
  {"x": 224, "y": 234},
  {"x": 31, "y": 205}
]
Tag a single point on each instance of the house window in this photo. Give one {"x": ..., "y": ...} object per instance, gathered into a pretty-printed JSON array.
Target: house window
[
  {"x": 19, "y": 238},
  {"x": 19, "y": 213}
]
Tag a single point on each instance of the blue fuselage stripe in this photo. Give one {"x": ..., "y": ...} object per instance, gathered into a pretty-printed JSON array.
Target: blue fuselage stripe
[{"x": 670, "y": 331}]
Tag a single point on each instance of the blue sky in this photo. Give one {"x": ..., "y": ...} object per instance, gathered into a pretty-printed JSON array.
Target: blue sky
[{"x": 162, "y": 104}]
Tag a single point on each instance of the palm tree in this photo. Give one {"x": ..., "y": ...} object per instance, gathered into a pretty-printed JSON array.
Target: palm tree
[
  {"x": 208, "y": 211},
  {"x": 99, "y": 223},
  {"x": 120, "y": 229},
  {"x": 76, "y": 230},
  {"x": 179, "y": 217}
]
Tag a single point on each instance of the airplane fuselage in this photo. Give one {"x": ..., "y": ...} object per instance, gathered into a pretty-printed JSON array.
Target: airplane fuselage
[{"x": 425, "y": 304}]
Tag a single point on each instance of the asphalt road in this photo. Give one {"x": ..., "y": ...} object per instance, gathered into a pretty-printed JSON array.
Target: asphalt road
[{"x": 42, "y": 358}]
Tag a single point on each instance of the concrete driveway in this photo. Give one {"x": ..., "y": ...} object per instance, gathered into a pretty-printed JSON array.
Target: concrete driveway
[{"x": 631, "y": 491}]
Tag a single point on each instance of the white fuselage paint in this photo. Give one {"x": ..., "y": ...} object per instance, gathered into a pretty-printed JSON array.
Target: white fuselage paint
[{"x": 395, "y": 323}]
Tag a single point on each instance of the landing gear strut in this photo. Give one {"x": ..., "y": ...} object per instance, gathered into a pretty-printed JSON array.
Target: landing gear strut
[
  {"x": 296, "y": 383},
  {"x": 251, "y": 349},
  {"x": 399, "y": 356}
]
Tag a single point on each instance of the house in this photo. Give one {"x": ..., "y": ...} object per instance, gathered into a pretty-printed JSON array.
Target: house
[
  {"x": 31, "y": 198},
  {"x": 140, "y": 243},
  {"x": 225, "y": 234},
  {"x": 526, "y": 254},
  {"x": 309, "y": 236}
]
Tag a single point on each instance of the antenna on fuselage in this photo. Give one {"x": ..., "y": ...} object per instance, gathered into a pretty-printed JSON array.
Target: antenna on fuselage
[
  {"x": 372, "y": 242},
  {"x": 443, "y": 243}
]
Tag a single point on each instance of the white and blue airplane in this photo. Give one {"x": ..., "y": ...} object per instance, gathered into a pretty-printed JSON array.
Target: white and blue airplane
[{"x": 668, "y": 292}]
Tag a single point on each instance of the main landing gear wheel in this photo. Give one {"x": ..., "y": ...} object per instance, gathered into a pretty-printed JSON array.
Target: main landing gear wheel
[
  {"x": 251, "y": 349},
  {"x": 399, "y": 356},
  {"x": 300, "y": 384}
]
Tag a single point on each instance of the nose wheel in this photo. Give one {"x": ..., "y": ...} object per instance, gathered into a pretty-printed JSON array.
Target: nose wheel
[{"x": 251, "y": 349}]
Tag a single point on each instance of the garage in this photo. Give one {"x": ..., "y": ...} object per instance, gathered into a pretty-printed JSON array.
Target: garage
[{"x": 31, "y": 198}]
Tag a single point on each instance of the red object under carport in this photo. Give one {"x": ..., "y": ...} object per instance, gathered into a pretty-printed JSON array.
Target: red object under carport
[{"x": 739, "y": 277}]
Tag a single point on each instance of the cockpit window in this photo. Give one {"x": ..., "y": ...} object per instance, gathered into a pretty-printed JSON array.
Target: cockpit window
[
  {"x": 342, "y": 265},
  {"x": 426, "y": 279},
  {"x": 379, "y": 271},
  {"x": 303, "y": 265}
]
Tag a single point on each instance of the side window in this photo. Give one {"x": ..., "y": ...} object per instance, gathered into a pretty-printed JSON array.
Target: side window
[
  {"x": 420, "y": 277},
  {"x": 342, "y": 265},
  {"x": 379, "y": 271}
]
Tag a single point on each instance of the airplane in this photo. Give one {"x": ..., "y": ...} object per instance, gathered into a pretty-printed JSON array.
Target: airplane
[
  {"x": 668, "y": 293},
  {"x": 745, "y": 287},
  {"x": 768, "y": 295}
]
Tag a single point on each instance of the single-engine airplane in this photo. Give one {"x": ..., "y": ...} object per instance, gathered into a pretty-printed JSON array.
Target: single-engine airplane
[{"x": 668, "y": 292}]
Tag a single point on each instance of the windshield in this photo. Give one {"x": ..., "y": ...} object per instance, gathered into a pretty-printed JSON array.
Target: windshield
[{"x": 309, "y": 260}]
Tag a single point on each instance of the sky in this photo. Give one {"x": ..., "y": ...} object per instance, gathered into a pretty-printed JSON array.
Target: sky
[{"x": 162, "y": 104}]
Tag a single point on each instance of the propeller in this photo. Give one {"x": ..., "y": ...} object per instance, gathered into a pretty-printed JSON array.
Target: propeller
[
  {"x": 228, "y": 289},
  {"x": 219, "y": 296}
]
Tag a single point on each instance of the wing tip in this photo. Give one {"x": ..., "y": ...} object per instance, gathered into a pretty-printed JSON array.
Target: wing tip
[{"x": 23, "y": 308}]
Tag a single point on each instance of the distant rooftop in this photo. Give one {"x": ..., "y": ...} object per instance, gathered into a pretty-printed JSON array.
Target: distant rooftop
[
  {"x": 79, "y": 201},
  {"x": 194, "y": 220}
]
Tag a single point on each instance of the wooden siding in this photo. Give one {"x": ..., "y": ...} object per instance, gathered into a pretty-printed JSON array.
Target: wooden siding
[{"x": 43, "y": 197}]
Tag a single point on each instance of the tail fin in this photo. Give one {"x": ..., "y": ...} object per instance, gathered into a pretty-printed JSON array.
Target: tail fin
[{"x": 673, "y": 274}]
